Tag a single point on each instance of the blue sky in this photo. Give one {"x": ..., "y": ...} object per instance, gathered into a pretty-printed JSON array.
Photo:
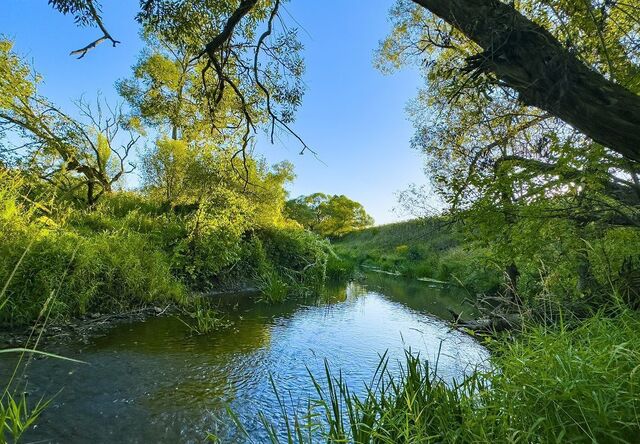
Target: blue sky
[{"x": 352, "y": 115}]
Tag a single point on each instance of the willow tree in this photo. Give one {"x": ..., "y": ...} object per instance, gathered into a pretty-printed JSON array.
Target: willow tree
[
  {"x": 497, "y": 120},
  {"x": 89, "y": 152},
  {"x": 246, "y": 58}
]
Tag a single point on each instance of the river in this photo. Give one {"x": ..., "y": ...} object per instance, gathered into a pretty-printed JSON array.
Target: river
[{"x": 152, "y": 381}]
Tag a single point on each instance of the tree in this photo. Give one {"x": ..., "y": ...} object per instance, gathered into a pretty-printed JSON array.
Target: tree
[
  {"x": 166, "y": 168},
  {"x": 250, "y": 76},
  {"x": 328, "y": 215},
  {"x": 524, "y": 55},
  {"x": 166, "y": 92},
  {"x": 495, "y": 159},
  {"x": 529, "y": 59},
  {"x": 188, "y": 174},
  {"x": 70, "y": 153}
]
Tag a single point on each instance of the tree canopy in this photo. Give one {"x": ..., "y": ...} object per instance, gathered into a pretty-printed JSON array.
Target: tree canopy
[{"x": 328, "y": 215}]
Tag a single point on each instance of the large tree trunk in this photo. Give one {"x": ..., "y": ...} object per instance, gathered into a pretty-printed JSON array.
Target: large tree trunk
[{"x": 546, "y": 75}]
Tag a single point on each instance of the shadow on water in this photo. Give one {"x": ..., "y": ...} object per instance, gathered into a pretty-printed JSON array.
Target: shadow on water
[{"x": 153, "y": 382}]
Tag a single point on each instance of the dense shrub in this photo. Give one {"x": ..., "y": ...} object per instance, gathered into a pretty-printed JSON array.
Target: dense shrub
[
  {"x": 72, "y": 275},
  {"x": 130, "y": 251}
]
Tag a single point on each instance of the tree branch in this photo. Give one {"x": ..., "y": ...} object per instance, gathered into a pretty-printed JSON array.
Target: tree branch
[
  {"x": 105, "y": 34},
  {"x": 527, "y": 58}
]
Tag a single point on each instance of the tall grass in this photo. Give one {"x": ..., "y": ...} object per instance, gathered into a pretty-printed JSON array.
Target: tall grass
[
  {"x": 549, "y": 385},
  {"x": 273, "y": 289},
  {"x": 16, "y": 416}
]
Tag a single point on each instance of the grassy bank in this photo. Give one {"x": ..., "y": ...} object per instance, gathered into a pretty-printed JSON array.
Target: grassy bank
[
  {"x": 555, "y": 384},
  {"x": 431, "y": 248},
  {"x": 130, "y": 251}
]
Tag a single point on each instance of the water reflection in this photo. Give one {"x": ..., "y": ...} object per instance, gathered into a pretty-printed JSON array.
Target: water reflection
[{"x": 152, "y": 381}]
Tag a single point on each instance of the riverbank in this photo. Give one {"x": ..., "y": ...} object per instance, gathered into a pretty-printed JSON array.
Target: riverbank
[
  {"x": 432, "y": 249},
  {"x": 132, "y": 251},
  {"x": 79, "y": 329}
]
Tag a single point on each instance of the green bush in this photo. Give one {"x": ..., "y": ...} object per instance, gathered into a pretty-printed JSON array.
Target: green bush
[
  {"x": 132, "y": 250},
  {"x": 76, "y": 275}
]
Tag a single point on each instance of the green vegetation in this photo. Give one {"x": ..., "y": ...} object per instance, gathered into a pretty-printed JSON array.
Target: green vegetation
[
  {"x": 273, "y": 288},
  {"x": 206, "y": 219},
  {"x": 201, "y": 318},
  {"x": 329, "y": 216},
  {"x": 529, "y": 125},
  {"x": 431, "y": 248},
  {"x": 16, "y": 417},
  {"x": 550, "y": 385},
  {"x": 131, "y": 250}
]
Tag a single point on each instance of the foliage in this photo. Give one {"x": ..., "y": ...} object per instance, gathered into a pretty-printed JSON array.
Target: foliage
[
  {"x": 100, "y": 273},
  {"x": 211, "y": 65},
  {"x": 165, "y": 90},
  {"x": 167, "y": 168},
  {"x": 202, "y": 318},
  {"x": 510, "y": 170},
  {"x": 89, "y": 152},
  {"x": 429, "y": 248},
  {"x": 298, "y": 257},
  {"x": 330, "y": 216},
  {"x": 131, "y": 251},
  {"x": 340, "y": 267}
]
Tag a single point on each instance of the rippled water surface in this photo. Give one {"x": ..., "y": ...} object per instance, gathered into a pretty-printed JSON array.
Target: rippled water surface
[{"x": 153, "y": 382}]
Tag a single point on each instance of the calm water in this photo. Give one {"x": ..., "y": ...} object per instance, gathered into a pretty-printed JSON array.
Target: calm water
[{"x": 153, "y": 382}]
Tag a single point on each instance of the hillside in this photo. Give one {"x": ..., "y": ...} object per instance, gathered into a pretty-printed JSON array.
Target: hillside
[{"x": 421, "y": 248}]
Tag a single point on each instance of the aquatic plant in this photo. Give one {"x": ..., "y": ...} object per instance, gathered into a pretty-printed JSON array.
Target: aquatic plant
[
  {"x": 202, "y": 319},
  {"x": 273, "y": 289}
]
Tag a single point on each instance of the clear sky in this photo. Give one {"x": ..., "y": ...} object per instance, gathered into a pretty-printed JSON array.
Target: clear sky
[{"x": 352, "y": 115}]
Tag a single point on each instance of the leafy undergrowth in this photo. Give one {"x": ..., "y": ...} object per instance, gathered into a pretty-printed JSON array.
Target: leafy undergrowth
[
  {"x": 549, "y": 385},
  {"x": 131, "y": 251}
]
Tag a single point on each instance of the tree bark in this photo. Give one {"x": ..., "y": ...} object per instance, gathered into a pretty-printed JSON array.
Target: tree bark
[
  {"x": 527, "y": 58},
  {"x": 90, "y": 194}
]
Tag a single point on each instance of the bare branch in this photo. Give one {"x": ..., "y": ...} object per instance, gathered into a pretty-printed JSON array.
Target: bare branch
[{"x": 105, "y": 34}]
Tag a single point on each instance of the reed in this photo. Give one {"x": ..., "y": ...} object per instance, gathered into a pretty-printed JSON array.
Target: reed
[{"x": 551, "y": 384}]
